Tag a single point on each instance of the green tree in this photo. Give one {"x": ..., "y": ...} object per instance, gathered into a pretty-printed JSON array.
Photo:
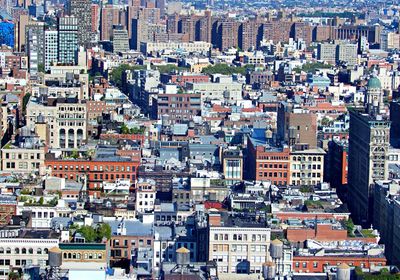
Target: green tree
[
  {"x": 125, "y": 129},
  {"x": 25, "y": 101},
  {"x": 226, "y": 69},
  {"x": 75, "y": 154},
  {"x": 349, "y": 225},
  {"x": 14, "y": 276},
  {"x": 116, "y": 73},
  {"x": 41, "y": 200},
  {"x": 41, "y": 68},
  {"x": 88, "y": 233},
  {"x": 103, "y": 230}
]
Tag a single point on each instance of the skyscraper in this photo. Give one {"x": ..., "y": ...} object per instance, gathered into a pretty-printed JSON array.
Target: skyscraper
[
  {"x": 368, "y": 147},
  {"x": 82, "y": 10},
  {"x": 67, "y": 39}
]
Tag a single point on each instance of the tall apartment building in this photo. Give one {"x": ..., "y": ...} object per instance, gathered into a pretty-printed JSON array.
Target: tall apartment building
[
  {"x": 110, "y": 16},
  {"x": 302, "y": 30},
  {"x": 34, "y": 43},
  {"x": 227, "y": 34},
  {"x": 277, "y": 31},
  {"x": 82, "y": 10},
  {"x": 67, "y": 39},
  {"x": 51, "y": 48},
  {"x": 368, "y": 147},
  {"x": 250, "y": 34}
]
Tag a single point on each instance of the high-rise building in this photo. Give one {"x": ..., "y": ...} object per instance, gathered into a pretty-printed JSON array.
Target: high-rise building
[
  {"x": 32, "y": 52},
  {"x": 395, "y": 125},
  {"x": 51, "y": 48},
  {"x": 37, "y": 29},
  {"x": 67, "y": 39},
  {"x": 120, "y": 39},
  {"x": 368, "y": 146},
  {"x": 82, "y": 10},
  {"x": 228, "y": 34},
  {"x": 110, "y": 16}
]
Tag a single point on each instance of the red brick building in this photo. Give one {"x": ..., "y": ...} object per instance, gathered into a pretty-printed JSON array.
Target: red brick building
[
  {"x": 183, "y": 79},
  {"x": 268, "y": 164},
  {"x": 96, "y": 171},
  {"x": 315, "y": 264}
]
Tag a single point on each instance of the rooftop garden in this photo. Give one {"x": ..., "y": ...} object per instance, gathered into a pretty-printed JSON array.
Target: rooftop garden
[
  {"x": 383, "y": 274},
  {"x": 134, "y": 130}
]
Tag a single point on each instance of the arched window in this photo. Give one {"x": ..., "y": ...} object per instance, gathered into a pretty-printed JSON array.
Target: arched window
[
  {"x": 39, "y": 251},
  {"x": 65, "y": 255},
  {"x": 1, "y": 250},
  {"x": 74, "y": 256},
  {"x": 78, "y": 256},
  {"x": 23, "y": 250},
  {"x": 100, "y": 256},
  {"x": 8, "y": 251},
  {"x": 30, "y": 251},
  {"x": 69, "y": 256},
  {"x": 16, "y": 251},
  {"x": 46, "y": 251}
]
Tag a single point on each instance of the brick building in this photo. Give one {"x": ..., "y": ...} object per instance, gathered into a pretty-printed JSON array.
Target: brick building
[
  {"x": 266, "y": 163},
  {"x": 96, "y": 170}
]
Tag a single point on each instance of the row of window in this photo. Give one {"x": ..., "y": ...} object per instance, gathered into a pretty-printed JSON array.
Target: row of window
[
  {"x": 86, "y": 256},
  {"x": 23, "y": 251},
  {"x": 95, "y": 168},
  {"x": 240, "y": 237}
]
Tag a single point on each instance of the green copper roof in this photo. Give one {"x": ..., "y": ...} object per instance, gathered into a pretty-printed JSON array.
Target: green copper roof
[
  {"x": 374, "y": 83},
  {"x": 82, "y": 246}
]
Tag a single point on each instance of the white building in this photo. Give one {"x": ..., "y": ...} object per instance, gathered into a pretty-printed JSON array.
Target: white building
[
  {"x": 145, "y": 196},
  {"x": 30, "y": 248}
]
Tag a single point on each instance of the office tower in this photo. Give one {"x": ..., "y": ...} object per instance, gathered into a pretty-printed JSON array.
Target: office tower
[
  {"x": 395, "y": 125},
  {"x": 368, "y": 146},
  {"x": 36, "y": 31},
  {"x": 82, "y": 10},
  {"x": 120, "y": 39},
  {"x": 67, "y": 39},
  {"x": 51, "y": 48}
]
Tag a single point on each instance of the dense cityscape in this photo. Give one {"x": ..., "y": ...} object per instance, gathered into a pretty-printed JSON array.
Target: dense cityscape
[{"x": 199, "y": 139}]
